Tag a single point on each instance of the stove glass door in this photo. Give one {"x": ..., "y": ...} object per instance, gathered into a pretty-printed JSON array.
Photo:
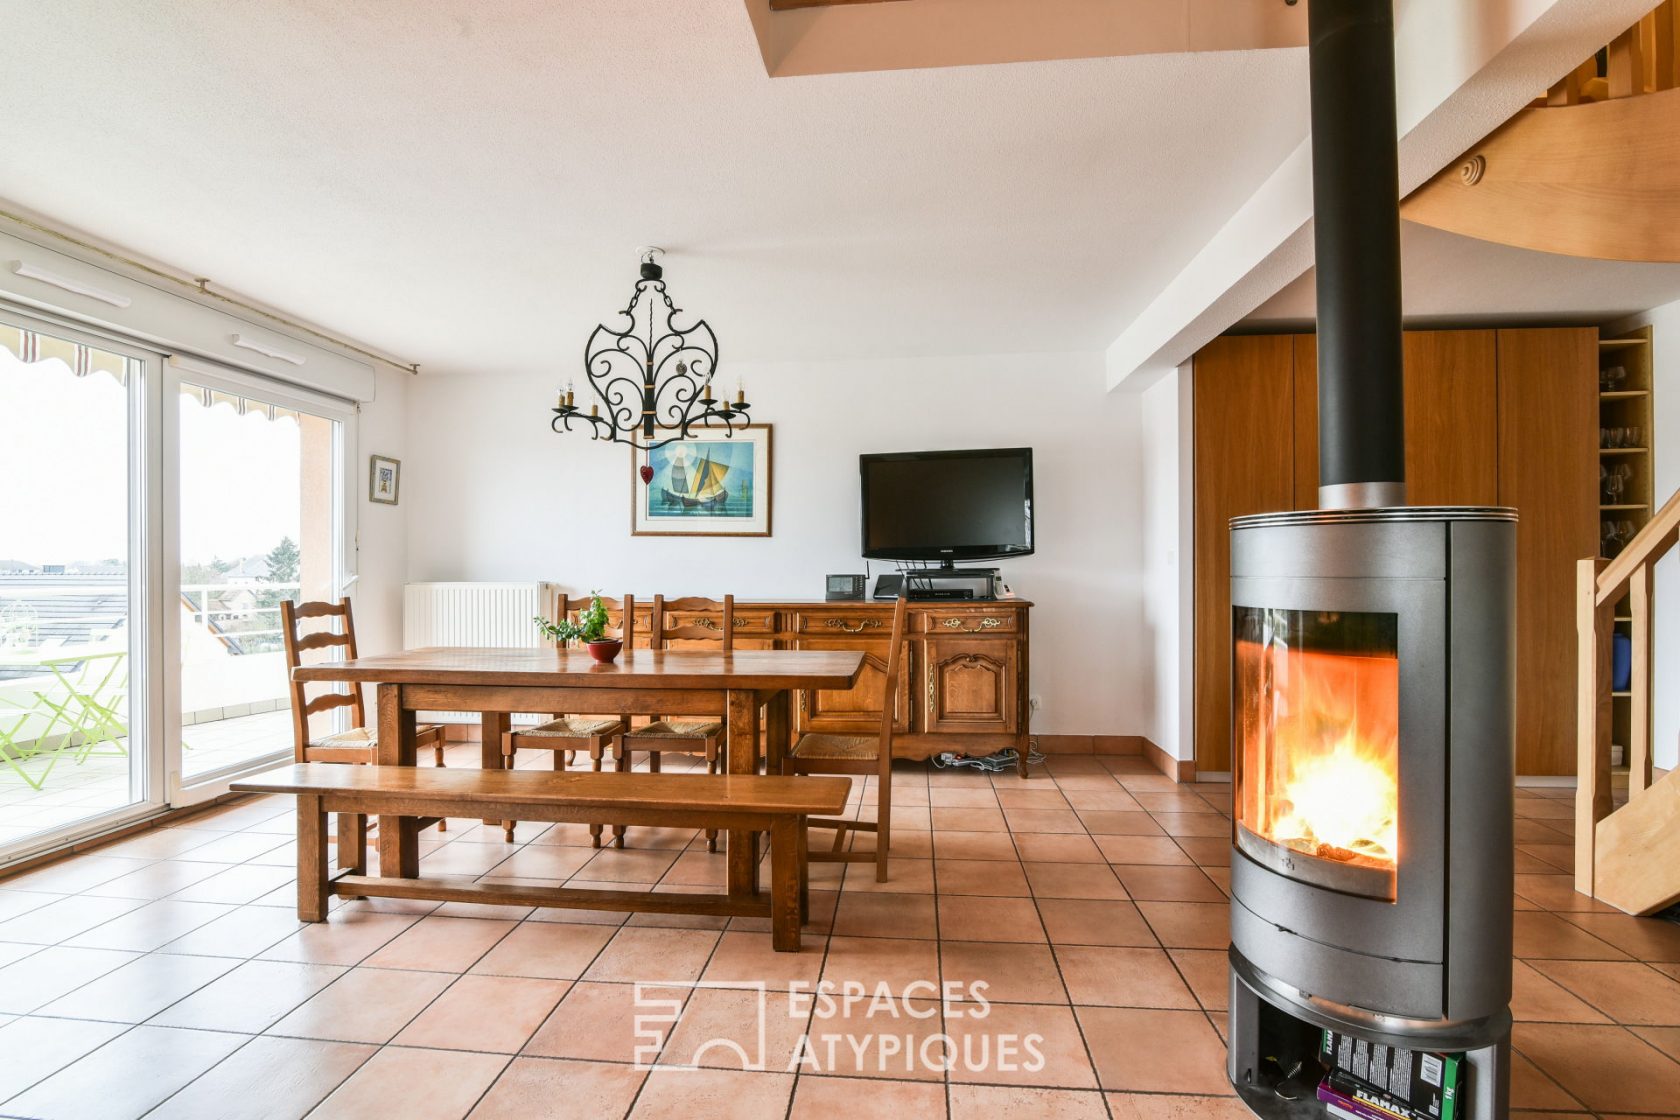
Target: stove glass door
[{"x": 1316, "y": 703}]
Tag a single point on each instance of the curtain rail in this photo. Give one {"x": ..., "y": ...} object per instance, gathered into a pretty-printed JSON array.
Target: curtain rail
[{"x": 201, "y": 286}]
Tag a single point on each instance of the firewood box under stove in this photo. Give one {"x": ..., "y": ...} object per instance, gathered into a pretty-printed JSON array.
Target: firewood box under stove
[{"x": 1372, "y": 789}]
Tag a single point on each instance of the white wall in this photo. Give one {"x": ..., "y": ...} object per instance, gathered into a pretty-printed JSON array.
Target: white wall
[
  {"x": 1167, "y": 561},
  {"x": 381, "y": 559},
  {"x": 491, "y": 494},
  {"x": 1665, "y": 444}
]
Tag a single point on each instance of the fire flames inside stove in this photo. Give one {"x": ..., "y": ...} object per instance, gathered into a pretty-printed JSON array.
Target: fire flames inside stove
[{"x": 1319, "y": 737}]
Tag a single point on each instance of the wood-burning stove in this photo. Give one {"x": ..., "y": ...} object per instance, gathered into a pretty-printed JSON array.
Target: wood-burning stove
[
  {"x": 1372, "y": 679},
  {"x": 1373, "y": 764}
]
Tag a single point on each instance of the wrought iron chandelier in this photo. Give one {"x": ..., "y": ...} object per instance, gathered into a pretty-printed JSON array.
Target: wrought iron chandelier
[{"x": 653, "y": 378}]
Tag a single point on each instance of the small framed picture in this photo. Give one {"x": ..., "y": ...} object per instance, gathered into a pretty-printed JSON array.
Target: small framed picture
[
  {"x": 709, "y": 485},
  {"x": 384, "y": 476}
]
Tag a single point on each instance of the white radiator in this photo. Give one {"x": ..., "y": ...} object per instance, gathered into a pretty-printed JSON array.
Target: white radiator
[{"x": 474, "y": 614}]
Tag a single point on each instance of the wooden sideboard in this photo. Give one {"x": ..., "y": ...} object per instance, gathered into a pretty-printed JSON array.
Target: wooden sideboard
[{"x": 964, "y": 684}]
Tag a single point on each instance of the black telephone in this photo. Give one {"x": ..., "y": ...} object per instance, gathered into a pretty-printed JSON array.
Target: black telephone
[{"x": 846, "y": 587}]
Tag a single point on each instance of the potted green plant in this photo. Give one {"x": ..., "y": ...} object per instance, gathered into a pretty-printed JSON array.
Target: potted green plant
[{"x": 590, "y": 629}]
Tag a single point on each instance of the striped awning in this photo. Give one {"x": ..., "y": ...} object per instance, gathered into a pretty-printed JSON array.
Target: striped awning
[
  {"x": 84, "y": 361},
  {"x": 209, "y": 398}
]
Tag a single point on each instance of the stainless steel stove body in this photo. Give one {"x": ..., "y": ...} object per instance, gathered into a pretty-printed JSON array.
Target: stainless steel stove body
[{"x": 1373, "y": 686}]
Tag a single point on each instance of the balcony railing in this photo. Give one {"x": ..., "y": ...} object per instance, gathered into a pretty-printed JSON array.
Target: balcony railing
[{"x": 64, "y": 647}]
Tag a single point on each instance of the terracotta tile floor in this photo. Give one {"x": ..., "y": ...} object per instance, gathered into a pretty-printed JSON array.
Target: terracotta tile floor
[{"x": 164, "y": 976}]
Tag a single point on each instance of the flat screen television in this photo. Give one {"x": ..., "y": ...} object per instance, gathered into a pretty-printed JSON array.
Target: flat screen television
[{"x": 948, "y": 506}]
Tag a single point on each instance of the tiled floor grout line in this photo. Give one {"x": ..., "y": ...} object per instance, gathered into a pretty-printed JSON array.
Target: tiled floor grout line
[
  {"x": 744, "y": 987},
  {"x": 1580, "y": 1106},
  {"x": 828, "y": 944},
  {"x": 1579, "y": 921},
  {"x": 1056, "y": 958},
  {"x": 147, "y": 1021},
  {"x": 248, "y": 1041},
  {"x": 127, "y": 1029},
  {"x": 467, "y": 971},
  {"x": 572, "y": 987},
  {"x": 507, "y": 1063},
  {"x": 938, "y": 931},
  {"x": 261, "y": 1033}
]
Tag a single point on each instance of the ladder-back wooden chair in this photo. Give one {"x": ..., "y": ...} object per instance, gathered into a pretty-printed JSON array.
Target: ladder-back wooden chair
[
  {"x": 565, "y": 735},
  {"x": 683, "y": 620},
  {"x": 359, "y": 743},
  {"x": 822, "y": 753}
]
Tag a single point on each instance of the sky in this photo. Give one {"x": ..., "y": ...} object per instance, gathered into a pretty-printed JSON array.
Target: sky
[{"x": 64, "y": 472}]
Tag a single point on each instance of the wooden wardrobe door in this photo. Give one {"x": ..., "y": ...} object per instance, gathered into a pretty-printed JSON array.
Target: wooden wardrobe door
[
  {"x": 1548, "y": 471},
  {"x": 1305, "y": 462},
  {"x": 1452, "y": 418},
  {"x": 1452, "y": 426},
  {"x": 1244, "y": 445}
]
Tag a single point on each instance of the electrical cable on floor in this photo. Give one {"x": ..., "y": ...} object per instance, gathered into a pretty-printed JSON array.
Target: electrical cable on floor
[{"x": 991, "y": 763}]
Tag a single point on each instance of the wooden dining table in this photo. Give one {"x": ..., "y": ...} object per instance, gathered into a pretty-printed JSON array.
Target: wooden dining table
[{"x": 499, "y": 682}]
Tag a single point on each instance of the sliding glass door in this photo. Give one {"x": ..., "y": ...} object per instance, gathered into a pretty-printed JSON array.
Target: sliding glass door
[
  {"x": 79, "y": 749},
  {"x": 259, "y": 496},
  {"x": 154, "y": 514}
]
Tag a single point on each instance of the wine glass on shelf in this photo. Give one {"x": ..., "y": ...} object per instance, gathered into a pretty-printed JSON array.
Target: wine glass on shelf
[{"x": 1615, "y": 481}]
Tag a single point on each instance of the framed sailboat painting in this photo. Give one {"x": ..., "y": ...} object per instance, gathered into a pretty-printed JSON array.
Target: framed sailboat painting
[{"x": 705, "y": 486}]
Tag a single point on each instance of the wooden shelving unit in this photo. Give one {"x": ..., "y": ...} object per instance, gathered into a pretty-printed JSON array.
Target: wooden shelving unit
[{"x": 1625, "y": 402}]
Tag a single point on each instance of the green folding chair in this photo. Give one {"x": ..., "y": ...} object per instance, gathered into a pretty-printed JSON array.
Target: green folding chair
[
  {"x": 94, "y": 701},
  {"x": 27, "y": 730}
]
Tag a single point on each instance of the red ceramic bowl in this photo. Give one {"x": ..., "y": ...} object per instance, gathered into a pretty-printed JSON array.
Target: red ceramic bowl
[{"x": 605, "y": 650}]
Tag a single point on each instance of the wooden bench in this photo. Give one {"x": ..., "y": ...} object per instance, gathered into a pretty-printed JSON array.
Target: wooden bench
[{"x": 761, "y": 803}]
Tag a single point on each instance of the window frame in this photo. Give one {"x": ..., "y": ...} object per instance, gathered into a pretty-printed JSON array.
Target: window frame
[
  {"x": 147, "y": 784},
  {"x": 214, "y": 375}
]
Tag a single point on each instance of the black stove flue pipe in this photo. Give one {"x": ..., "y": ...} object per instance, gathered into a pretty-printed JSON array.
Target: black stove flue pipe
[{"x": 1356, "y": 234}]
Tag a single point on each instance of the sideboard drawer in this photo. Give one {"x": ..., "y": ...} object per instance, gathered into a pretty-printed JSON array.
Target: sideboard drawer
[
  {"x": 746, "y": 621},
  {"x": 974, "y": 620},
  {"x": 755, "y": 628},
  {"x": 856, "y": 621}
]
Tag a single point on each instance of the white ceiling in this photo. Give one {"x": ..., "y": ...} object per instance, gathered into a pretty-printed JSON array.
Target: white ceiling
[
  {"x": 1448, "y": 279},
  {"x": 464, "y": 184}
]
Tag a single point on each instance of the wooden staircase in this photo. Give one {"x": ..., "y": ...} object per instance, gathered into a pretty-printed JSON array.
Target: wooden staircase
[
  {"x": 1592, "y": 169},
  {"x": 1627, "y": 855}
]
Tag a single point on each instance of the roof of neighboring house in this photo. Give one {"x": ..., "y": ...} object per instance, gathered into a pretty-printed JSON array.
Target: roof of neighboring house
[{"x": 56, "y": 611}]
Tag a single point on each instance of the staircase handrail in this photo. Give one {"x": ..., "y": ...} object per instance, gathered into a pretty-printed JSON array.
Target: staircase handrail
[{"x": 1601, "y": 585}]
